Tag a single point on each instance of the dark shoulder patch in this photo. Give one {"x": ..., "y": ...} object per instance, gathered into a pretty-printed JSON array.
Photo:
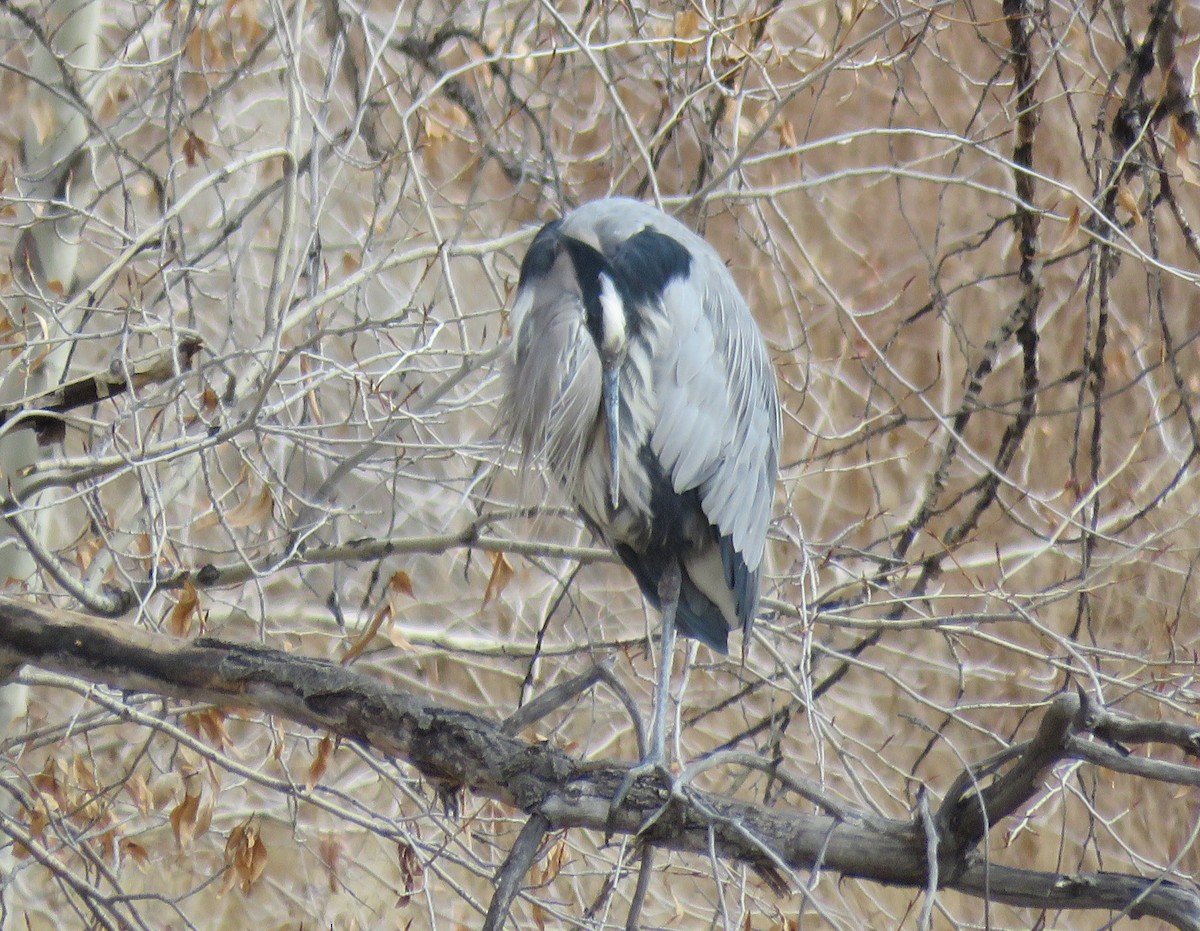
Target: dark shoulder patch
[
  {"x": 647, "y": 261},
  {"x": 542, "y": 251},
  {"x": 589, "y": 265}
]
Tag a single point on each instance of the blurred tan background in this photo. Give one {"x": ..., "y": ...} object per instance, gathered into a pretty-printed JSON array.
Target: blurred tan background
[{"x": 337, "y": 197}]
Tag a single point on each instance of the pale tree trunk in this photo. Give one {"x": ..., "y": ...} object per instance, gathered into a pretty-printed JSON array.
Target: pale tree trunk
[{"x": 55, "y": 168}]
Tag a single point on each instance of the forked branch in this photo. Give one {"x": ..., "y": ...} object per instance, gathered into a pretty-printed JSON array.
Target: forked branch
[{"x": 457, "y": 749}]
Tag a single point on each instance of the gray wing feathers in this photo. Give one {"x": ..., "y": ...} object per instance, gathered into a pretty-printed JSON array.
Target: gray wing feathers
[
  {"x": 692, "y": 392},
  {"x": 718, "y": 427}
]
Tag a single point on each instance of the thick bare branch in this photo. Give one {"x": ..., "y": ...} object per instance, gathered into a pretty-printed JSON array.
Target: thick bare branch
[{"x": 458, "y": 749}]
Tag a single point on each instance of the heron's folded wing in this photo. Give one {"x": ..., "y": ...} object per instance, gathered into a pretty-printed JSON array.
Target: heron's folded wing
[{"x": 717, "y": 428}]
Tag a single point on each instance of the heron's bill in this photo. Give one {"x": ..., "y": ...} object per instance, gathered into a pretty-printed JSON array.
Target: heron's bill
[{"x": 612, "y": 411}]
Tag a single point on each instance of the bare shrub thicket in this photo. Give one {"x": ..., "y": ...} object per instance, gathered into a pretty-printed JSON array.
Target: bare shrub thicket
[{"x": 968, "y": 231}]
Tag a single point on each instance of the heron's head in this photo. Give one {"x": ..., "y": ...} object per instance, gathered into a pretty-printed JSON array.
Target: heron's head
[
  {"x": 562, "y": 266},
  {"x": 606, "y": 314}
]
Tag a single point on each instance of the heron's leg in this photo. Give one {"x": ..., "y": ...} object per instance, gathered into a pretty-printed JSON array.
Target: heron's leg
[
  {"x": 668, "y": 595},
  {"x": 655, "y": 757}
]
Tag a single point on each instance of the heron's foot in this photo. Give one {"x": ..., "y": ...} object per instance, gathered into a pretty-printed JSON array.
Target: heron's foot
[{"x": 651, "y": 764}]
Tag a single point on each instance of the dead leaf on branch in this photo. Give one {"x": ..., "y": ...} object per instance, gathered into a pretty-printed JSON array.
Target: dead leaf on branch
[
  {"x": 253, "y": 511},
  {"x": 1182, "y": 138},
  {"x": 502, "y": 574},
  {"x": 411, "y": 870},
  {"x": 401, "y": 583},
  {"x": 332, "y": 851},
  {"x": 194, "y": 149},
  {"x": 398, "y": 584},
  {"x": 1129, "y": 203},
  {"x": 320, "y": 762},
  {"x": 139, "y": 790},
  {"x": 1074, "y": 222},
  {"x": 558, "y": 857},
  {"x": 245, "y": 855},
  {"x": 190, "y": 819},
  {"x": 187, "y": 608},
  {"x": 136, "y": 852},
  {"x": 209, "y": 724}
]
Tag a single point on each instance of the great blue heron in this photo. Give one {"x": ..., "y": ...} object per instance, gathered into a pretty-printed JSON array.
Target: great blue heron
[{"x": 642, "y": 382}]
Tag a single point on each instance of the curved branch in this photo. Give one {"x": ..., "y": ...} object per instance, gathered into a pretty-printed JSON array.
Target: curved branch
[
  {"x": 457, "y": 749},
  {"x": 1137, "y": 896}
]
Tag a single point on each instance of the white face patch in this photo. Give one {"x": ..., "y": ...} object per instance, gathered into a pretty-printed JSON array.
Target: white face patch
[{"x": 612, "y": 311}]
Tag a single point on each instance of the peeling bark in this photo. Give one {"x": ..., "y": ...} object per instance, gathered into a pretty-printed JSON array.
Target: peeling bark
[{"x": 457, "y": 750}]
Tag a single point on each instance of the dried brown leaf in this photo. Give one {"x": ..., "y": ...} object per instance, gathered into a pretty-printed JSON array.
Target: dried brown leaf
[
  {"x": 1074, "y": 222},
  {"x": 1129, "y": 203},
  {"x": 411, "y": 871},
  {"x": 559, "y": 857},
  {"x": 502, "y": 574},
  {"x": 106, "y": 841},
  {"x": 385, "y": 612},
  {"x": 139, "y": 790},
  {"x": 687, "y": 27},
  {"x": 194, "y": 149},
  {"x": 203, "y": 51},
  {"x": 187, "y": 607},
  {"x": 51, "y": 779},
  {"x": 37, "y": 819},
  {"x": 211, "y": 724},
  {"x": 87, "y": 550},
  {"x": 401, "y": 583},
  {"x": 84, "y": 775},
  {"x": 1183, "y": 138},
  {"x": 135, "y": 852},
  {"x": 246, "y": 854},
  {"x": 320, "y": 762},
  {"x": 332, "y": 852},
  {"x": 184, "y": 817},
  {"x": 253, "y": 511}
]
